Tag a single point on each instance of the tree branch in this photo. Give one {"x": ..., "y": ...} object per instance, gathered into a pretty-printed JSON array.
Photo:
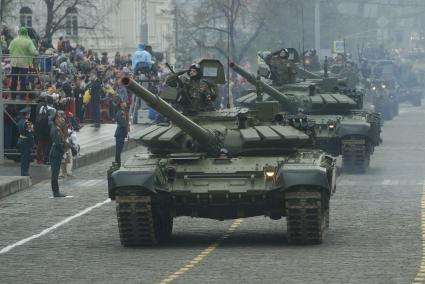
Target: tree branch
[
  {"x": 213, "y": 29},
  {"x": 246, "y": 46},
  {"x": 56, "y": 24}
]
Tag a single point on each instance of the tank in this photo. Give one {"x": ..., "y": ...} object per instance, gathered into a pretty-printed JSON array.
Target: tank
[
  {"x": 383, "y": 99},
  {"x": 410, "y": 86},
  {"x": 221, "y": 165},
  {"x": 342, "y": 126}
]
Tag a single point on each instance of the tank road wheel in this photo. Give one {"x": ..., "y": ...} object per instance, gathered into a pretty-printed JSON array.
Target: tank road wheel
[
  {"x": 141, "y": 223},
  {"x": 306, "y": 216},
  {"x": 355, "y": 155}
]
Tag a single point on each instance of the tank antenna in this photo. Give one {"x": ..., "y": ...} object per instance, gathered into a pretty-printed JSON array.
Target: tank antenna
[
  {"x": 303, "y": 39},
  {"x": 228, "y": 56}
]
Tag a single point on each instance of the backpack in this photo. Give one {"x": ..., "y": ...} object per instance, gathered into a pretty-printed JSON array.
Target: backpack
[{"x": 42, "y": 123}]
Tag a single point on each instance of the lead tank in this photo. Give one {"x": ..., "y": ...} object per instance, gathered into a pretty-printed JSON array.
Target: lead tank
[
  {"x": 220, "y": 165},
  {"x": 342, "y": 126}
]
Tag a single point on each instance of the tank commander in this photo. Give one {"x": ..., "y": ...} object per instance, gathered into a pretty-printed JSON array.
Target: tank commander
[
  {"x": 282, "y": 69},
  {"x": 195, "y": 93}
]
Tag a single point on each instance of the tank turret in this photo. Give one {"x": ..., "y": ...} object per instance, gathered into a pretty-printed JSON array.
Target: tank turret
[
  {"x": 352, "y": 130},
  {"x": 203, "y": 136},
  {"x": 289, "y": 102},
  {"x": 303, "y": 95}
]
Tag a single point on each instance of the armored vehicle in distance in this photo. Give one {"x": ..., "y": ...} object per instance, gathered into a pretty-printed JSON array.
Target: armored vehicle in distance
[
  {"x": 343, "y": 127},
  {"x": 221, "y": 165}
]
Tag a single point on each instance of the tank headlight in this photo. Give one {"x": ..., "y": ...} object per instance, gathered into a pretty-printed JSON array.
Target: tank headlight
[
  {"x": 383, "y": 86},
  {"x": 374, "y": 88},
  {"x": 270, "y": 172}
]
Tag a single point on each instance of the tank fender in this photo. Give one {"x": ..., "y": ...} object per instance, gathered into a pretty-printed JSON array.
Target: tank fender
[
  {"x": 349, "y": 129},
  {"x": 319, "y": 177},
  {"x": 141, "y": 179}
]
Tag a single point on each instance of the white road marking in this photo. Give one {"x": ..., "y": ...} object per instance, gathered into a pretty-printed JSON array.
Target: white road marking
[
  {"x": 91, "y": 182},
  {"x": 54, "y": 227},
  {"x": 68, "y": 196}
]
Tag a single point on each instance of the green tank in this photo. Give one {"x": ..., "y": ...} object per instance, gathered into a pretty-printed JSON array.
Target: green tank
[
  {"x": 342, "y": 126},
  {"x": 221, "y": 165}
]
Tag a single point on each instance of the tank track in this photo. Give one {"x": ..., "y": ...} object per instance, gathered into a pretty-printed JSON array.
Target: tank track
[
  {"x": 306, "y": 217},
  {"x": 139, "y": 223},
  {"x": 355, "y": 155}
]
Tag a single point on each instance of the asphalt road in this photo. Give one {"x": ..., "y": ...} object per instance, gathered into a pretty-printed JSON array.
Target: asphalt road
[{"x": 375, "y": 234}]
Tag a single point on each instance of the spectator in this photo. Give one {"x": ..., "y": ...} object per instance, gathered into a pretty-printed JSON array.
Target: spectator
[
  {"x": 121, "y": 132},
  {"x": 22, "y": 50},
  {"x": 117, "y": 60},
  {"x": 104, "y": 59},
  {"x": 95, "y": 88},
  {"x": 42, "y": 131},
  {"x": 26, "y": 140},
  {"x": 58, "y": 137},
  {"x": 59, "y": 45},
  {"x": 67, "y": 161},
  {"x": 141, "y": 60}
]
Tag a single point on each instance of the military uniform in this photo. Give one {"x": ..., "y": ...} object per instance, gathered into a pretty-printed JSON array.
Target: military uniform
[
  {"x": 120, "y": 134},
  {"x": 282, "y": 70},
  {"x": 195, "y": 94},
  {"x": 96, "y": 92},
  {"x": 56, "y": 154},
  {"x": 25, "y": 142}
]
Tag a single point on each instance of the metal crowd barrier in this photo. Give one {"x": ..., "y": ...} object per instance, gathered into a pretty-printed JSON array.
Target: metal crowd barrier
[{"x": 40, "y": 69}]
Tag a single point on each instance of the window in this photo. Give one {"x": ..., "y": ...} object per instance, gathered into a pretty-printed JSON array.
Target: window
[
  {"x": 25, "y": 17},
  {"x": 71, "y": 22}
]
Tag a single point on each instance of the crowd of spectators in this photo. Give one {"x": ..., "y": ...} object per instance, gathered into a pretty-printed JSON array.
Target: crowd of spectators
[{"x": 82, "y": 84}]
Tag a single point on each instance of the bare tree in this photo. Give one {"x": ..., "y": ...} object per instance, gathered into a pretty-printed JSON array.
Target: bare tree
[
  {"x": 59, "y": 10},
  {"x": 225, "y": 27},
  {"x": 4, "y": 8}
]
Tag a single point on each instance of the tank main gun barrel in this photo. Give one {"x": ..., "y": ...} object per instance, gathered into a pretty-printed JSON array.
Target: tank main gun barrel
[
  {"x": 203, "y": 136},
  {"x": 274, "y": 93}
]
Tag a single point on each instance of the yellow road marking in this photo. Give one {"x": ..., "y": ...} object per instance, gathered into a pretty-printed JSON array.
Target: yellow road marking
[
  {"x": 194, "y": 261},
  {"x": 421, "y": 273}
]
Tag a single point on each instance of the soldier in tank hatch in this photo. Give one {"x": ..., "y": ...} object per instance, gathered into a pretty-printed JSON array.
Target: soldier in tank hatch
[
  {"x": 281, "y": 68},
  {"x": 195, "y": 93}
]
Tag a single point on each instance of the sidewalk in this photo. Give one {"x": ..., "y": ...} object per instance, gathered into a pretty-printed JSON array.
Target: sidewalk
[{"x": 96, "y": 144}]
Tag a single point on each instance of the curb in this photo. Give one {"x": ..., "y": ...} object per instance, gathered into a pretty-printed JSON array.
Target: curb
[
  {"x": 102, "y": 154},
  {"x": 12, "y": 184}
]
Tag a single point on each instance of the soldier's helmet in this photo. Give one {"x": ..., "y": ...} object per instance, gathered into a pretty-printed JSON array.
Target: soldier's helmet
[
  {"x": 284, "y": 53},
  {"x": 197, "y": 67}
]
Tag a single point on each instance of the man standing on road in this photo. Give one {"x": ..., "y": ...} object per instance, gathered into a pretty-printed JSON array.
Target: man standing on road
[
  {"x": 57, "y": 151},
  {"x": 26, "y": 140},
  {"x": 22, "y": 50},
  {"x": 122, "y": 130}
]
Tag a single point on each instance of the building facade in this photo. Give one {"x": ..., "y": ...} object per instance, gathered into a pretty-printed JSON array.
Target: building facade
[{"x": 105, "y": 25}]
